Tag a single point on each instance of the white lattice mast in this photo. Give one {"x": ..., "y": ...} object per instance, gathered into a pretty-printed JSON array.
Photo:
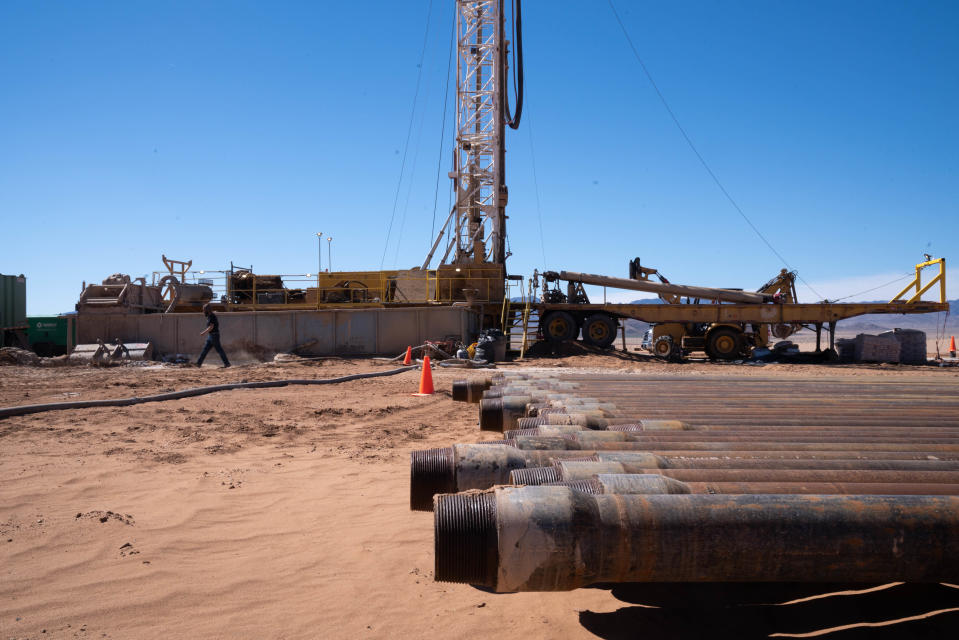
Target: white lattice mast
[{"x": 478, "y": 175}]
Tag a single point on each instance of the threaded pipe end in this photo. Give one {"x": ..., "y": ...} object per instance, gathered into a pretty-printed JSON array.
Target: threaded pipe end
[
  {"x": 491, "y": 414},
  {"x": 592, "y": 458},
  {"x": 529, "y": 423},
  {"x": 545, "y": 411},
  {"x": 461, "y": 390},
  {"x": 465, "y": 541},
  {"x": 432, "y": 471},
  {"x": 625, "y": 427},
  {"x": 584, "y": 486},
  {"x": 534, "y": 475},
  {"x": 512, "y": 433}
]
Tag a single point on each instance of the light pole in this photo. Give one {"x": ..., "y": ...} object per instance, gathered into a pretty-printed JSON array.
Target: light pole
[
  {"x": 329, "y": 253},
  {"x": 319, "y": 256}
]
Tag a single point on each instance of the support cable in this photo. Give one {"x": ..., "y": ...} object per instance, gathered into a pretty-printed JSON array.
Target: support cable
[
  {"x": 539, "y": 210},
  {"x": 908, "y": 275},
  {"x": 409, "y": 132},
  {"x": 692, "y": 146},
  {"x": 446, "y": 100}
]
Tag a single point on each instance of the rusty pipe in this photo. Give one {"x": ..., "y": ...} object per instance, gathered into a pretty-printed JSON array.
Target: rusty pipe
[
  {"x": 489, "y": 421},
  {"x": 586, "y": 437},
  {"x": 555, "y": 539},
  {"x": 471, "y": 466},
  {"x": 634, "y": 484},
  {"x": 475, "y": 466},
  {"x": 562, "y": 470},
  {"x": 572, "y": 441},
  {"x": 542, "y": 475}
]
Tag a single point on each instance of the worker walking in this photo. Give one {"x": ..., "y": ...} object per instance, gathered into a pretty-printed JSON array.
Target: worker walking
[{"x": 212, "y": 333}]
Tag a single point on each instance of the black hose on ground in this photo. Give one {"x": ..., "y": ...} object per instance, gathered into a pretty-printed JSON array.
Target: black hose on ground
[{"x": 23, "y": 410}]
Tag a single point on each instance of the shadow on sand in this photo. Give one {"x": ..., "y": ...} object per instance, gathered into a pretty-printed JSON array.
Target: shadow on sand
[{"x": 756, "y": 610}]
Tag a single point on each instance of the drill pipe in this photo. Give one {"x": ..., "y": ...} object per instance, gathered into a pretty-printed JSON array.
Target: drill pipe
[
  {"x": 645, "y": 484},
  {"x": 917, "y": 435},
  {"x": 493, "y": 421},
  {"x": 466, "y": 466},
  {"x": 564, "y": 471},
  {"x": 572, "y": 441},
  {"x": 542, "y": 475},
  {"x": 476, "y": 466},
  {"x": 467, "y": 390},
  {"x": 556, "y": 539}
]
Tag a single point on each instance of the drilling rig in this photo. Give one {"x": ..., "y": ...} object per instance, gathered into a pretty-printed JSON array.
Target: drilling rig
[{"x": 475, "y": 252}]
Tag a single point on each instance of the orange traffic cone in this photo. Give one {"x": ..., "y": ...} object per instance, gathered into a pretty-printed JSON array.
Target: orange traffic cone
[
  {"x": 426, "y": 380},
  {"x": 408, "y": 360},
  {"x": 952, "y": 346}
]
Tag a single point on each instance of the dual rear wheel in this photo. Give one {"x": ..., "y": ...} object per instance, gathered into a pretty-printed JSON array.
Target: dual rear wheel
[
  {"x": 725, "y": 344},
  {"x": 599, "y": 329}
]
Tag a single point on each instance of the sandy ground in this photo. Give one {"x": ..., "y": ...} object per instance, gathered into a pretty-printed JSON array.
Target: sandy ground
[{"x": 283, "y": 513}]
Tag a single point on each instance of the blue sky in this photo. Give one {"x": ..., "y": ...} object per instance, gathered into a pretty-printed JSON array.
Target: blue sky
[{"x": 218, "y": 131}]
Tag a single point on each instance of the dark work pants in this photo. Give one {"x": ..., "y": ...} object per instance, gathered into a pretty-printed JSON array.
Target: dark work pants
[{"x": 213, "y": 342}]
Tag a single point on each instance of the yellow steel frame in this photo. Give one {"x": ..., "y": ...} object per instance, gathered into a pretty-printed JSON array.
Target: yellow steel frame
[{"x": 917, "y": 282}]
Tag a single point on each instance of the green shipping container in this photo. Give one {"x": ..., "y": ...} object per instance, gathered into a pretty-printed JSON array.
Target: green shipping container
[
  {"x": 51, "y": 335},
  {"x": 13, "y": 302}
]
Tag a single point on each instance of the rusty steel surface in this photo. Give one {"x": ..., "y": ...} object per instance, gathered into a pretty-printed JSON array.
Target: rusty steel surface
[
  {"x": 555, "y": 539},
  {"x": 657, "y": 484},
  {"x": 697, "y": 479}
]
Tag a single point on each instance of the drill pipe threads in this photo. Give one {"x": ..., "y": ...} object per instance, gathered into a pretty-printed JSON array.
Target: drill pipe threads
[
  {"x": 556, "y": 539},
  {"x": 431, "y": 473},
  {"x": 467, "y": 522}
]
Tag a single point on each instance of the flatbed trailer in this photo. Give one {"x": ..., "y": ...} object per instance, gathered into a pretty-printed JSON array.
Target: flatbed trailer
[
  {"x": 725, "y": 330},
  {"x": 817, "y": 314}
]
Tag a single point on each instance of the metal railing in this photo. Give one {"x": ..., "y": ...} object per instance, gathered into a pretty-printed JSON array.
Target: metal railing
[{"x": 917, "y": 282}]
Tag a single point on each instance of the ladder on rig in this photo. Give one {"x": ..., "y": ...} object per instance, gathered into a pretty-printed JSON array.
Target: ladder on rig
[{"x": 520, "y": 320}]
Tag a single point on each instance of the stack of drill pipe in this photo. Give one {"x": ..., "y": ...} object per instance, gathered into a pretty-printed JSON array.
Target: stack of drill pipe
[
  {"x": 463, "y": 467},
  {"x": 825, "y": 480},
  {"x": 749, "y": 480},
  {"x": 602, "y": 403}
]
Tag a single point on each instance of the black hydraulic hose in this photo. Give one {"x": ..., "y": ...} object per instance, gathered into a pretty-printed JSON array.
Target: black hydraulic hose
[
  {"x": 518, "y": 85},
  {"x": 23, "y": 410}
]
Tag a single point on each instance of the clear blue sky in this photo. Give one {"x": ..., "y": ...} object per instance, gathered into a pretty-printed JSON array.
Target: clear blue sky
[{"x": 220, "y": 131}]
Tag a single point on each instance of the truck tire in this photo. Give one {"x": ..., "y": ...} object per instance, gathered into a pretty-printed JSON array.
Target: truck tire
[
  {"x": 725, "y": 344},
  {"x": 559, "y": 326},
  {"x": 665, "y": 348},
  {"x": 599, "y": 330}
]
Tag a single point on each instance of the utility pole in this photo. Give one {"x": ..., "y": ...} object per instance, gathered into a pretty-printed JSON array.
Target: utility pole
[
  {"x": 329, "y": 253},
  {"x": 319, "y": 256}
]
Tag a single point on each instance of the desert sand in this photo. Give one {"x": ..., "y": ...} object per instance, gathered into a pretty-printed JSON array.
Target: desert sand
[{"x": 284, "y": 513}]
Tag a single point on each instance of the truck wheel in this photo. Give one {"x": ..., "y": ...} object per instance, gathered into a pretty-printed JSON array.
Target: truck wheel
[
  {"x": 599, "y": 330},
  {"x": 724, "y": 344},
  {"x": 559, "y": 326},
  {"x": 665, "y": 348}
]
